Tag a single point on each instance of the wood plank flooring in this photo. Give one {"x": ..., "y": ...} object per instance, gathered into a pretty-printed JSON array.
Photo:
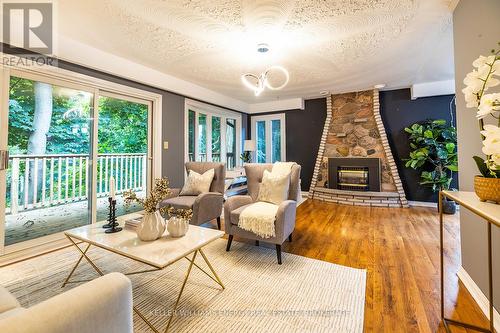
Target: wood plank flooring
[{"x": 400, "y": 250}]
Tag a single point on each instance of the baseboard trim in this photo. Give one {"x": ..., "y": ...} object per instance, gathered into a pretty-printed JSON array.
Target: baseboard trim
[
  {"x": 422, "y": 204},
  {"x": 32, "y": 252},
  {"x": 478, "y": 295}
]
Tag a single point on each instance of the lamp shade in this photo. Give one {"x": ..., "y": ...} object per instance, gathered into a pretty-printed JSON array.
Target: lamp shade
[{"x": 249, "y": 145}]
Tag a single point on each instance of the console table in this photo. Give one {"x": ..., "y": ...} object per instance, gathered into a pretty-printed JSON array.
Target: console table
[{"x": 491, "y": 213}]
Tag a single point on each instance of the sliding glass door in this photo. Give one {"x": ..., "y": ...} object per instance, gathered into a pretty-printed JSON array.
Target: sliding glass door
[
  {"x": 269, "y": 134},
  {"x": 122, "y": 146},
  {"x": 212, "y": 135},
  {"x": 49, "y": 144},
  {"x": 65, "y": 142}
]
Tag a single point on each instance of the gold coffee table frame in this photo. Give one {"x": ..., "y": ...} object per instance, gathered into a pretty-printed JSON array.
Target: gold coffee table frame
[{"x": 76, "y": 240}]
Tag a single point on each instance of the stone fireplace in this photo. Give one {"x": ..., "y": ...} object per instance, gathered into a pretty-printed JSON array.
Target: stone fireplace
[{"x": 354, "y": 133}]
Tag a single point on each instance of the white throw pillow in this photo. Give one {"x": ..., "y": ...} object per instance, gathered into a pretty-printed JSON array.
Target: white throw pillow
[
  {"x": 197, "y": 184},
  {"x": 274, "y": 187}
]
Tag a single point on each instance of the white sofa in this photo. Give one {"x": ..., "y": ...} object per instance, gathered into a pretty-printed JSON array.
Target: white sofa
[{"x": 103, "y": 305}]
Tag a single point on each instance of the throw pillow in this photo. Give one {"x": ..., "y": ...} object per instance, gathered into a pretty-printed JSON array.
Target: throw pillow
[
  {"x": 197, "y": 184},
  {"x": 274, "y": 187}
]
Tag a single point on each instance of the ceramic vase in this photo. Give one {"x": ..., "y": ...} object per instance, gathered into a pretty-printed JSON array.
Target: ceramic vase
[
  {"x": 177, "y": 226},
  {"x": 152, "y": 227}
]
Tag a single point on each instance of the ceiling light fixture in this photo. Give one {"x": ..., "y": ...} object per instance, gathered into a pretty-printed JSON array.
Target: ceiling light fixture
[
  {"x": 258, "y": 83},
  {"x": 324, "y": 92},
  {"x": 379, "y": 86},
  {"x": 262, "y": 48}
]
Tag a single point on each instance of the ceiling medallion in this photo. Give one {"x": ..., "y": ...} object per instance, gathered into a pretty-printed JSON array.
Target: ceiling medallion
[{"x": 259, "y": 83}]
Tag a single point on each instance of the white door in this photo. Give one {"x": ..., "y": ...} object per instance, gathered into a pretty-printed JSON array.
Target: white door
[{"x": 269, "y": 134}]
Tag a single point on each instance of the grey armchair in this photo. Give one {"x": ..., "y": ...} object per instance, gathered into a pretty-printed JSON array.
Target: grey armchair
[
  {"x": 285, "y": 218},
  {"x": 206, "y": 206}
]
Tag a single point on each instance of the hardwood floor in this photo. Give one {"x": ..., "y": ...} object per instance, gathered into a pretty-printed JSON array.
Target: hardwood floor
[{"x": 400, "y": 250}]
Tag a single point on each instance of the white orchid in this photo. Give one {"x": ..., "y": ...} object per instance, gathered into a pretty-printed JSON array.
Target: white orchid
[
  {"x": 475, "y": 79},
  {"x": 491, "y": 145},
  {"x": 482, "y": 60},
  {"x": 470, "y": 97},
  {"x": 489, "y": 104},
  {"x": 477, "y": 83}
]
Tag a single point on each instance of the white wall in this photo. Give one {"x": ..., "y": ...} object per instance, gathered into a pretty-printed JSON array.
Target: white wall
[{"x": 476, "y": 31}]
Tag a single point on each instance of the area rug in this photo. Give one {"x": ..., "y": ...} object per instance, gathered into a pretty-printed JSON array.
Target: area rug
[{"x": 302, "y": 295}]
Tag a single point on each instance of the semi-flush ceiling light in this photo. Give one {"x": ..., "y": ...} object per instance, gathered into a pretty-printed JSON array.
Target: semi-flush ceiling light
[{"x": 259, "y": 83}]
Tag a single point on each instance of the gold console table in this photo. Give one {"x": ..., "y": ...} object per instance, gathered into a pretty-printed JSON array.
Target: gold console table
[{"x": 491, "y": 213}]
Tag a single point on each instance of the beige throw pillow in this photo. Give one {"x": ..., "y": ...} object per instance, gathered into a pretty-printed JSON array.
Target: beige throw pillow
[
  {"x": 197, "y": 184},
  {"x": 274, "y": 187}
]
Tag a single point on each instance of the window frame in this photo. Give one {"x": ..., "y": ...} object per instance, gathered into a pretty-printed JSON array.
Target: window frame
[
  {"x": 268, "y": 121},
  {"x": 98, "y": 87},
  {"x": 211, "y": 111}
]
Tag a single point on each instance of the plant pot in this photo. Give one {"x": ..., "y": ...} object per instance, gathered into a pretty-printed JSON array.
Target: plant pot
[
  {"x": 449, "y": 206},
  {"x": 152, "y": 227},
  {"x": 487, "y": 189}
]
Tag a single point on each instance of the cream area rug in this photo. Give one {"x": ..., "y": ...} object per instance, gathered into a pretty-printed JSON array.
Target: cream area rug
[{"x": 302, "y": 295}]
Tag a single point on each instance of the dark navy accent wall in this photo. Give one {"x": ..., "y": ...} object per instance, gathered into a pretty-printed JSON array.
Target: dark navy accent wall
[
  {"x": 398, "y": 111},
  {"x": 303, "y": 135}
]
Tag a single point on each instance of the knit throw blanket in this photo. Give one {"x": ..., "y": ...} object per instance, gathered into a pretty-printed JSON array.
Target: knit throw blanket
[{"x": 259, "y": 217}]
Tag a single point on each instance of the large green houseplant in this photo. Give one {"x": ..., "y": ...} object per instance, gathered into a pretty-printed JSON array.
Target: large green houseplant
[{"x": 433, "y": 146}]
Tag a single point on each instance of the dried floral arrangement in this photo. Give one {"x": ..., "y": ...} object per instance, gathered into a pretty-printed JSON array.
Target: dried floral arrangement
[
  {"x": 186, "y": 214},
  {"x": 160, "y": 191}
]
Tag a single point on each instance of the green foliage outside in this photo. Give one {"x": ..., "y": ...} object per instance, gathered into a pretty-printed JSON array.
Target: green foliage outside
[
  {"x": 122, "y": 124},
  {"x": 434, "y": 153},
  {"x": 122, "y": 128}
]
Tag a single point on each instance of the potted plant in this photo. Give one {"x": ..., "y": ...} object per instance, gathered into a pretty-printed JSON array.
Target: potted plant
[
  {"x": 433, "y": 145},
  {"x": 153, "y": 225},
  {"x": 477, "y": 82}
]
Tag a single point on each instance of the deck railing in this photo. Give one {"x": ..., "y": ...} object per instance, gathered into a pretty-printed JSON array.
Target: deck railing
[{"x": 37, "y": 181}]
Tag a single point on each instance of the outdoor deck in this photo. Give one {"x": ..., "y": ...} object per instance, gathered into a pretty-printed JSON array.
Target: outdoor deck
[
  {"x": 31, "y": 224},
  {"x": 47, "y": 194}
]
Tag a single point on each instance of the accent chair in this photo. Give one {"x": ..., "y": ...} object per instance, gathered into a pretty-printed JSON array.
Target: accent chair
[
  {"x": 285, "y": 218},
  {"x": 206, "y": 206},
  {"x": 103, "y": 305}
]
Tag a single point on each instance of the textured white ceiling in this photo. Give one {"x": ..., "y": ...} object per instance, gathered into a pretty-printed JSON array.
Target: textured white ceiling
[{"x": 335, "y": 45}]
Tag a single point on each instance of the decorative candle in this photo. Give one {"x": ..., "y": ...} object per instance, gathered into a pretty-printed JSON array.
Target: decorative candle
[{"x": 112, "y": 188}]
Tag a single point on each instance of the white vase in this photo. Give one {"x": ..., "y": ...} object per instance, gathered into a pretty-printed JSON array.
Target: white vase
[
  {"x": 152, "y": 227},
  {"x": 177, "y": 226}
]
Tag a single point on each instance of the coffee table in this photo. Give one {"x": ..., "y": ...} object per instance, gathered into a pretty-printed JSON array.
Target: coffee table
[{"x": 158, "y": 254}]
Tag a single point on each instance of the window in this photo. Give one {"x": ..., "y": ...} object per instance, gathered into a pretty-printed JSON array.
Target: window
[
  {"x": 269, "y": 134},
  {"x": 217, "y": 137},
  {"x": 66, "y": 137},
  {"x": 191, "y": 142},
  {"x": 261, "y": 141},
  {"x": 202, "y": 137},
  {"x": 230, "y": 143}
]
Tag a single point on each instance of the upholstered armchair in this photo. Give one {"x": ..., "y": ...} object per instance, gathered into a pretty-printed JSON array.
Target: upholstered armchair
[
  {"x": 206, "y": 206},
  {"x": 103, "y": 305},
  {"x": 285, "y": 218}
]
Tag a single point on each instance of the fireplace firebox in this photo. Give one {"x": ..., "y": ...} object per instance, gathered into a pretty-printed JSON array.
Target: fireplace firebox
[{"x": 354, "y": 174}]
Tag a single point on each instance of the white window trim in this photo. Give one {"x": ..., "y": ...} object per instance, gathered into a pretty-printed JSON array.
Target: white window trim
[
  {"x": 209, "y": 111},
  {"x": 268, "y": 118},
  {"x": 70, "y": 79}
]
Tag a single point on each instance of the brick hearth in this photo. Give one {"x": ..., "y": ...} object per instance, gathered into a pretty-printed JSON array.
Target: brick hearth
[{"x": 357, "y": 198}]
